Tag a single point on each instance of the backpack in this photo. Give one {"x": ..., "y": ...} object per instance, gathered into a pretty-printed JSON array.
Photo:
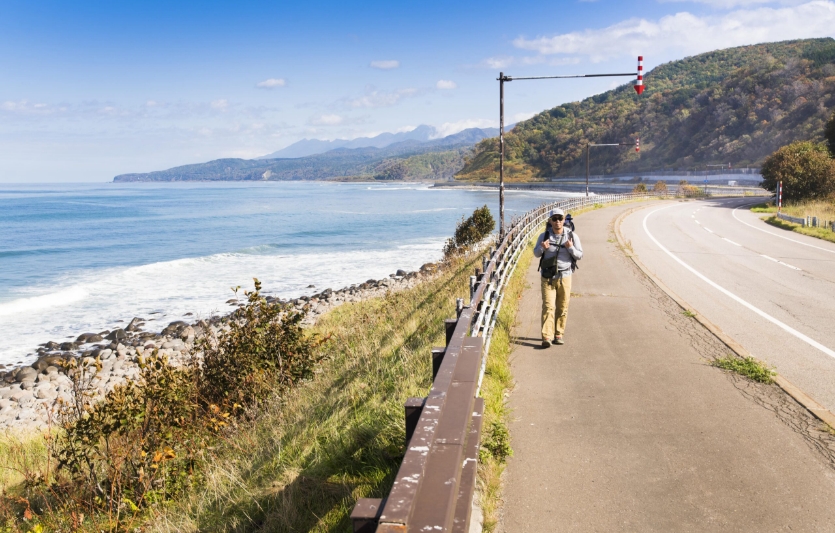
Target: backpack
[{"x": 549, "y": 270}]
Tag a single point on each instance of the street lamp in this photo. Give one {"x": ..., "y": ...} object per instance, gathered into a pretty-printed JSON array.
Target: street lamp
[
  {"x": 636, "y": 144},
  {"x": 639, "y": 88}
]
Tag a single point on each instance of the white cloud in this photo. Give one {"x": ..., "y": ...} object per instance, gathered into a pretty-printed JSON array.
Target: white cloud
[
  {"x": 727, "y": 4},
  {"x": 691, "y": 34},
  {"x": 271, "y": 83},
  {"x": 385, "y": 65},
  {"x": 518, "y": 117},
  {"x": 446, "y": 84},
  {"x": 448, "y": 128},
  {"x": 498, "y": 62},
  {"x": 220, "y": 105},
  {"x": 374, "y": 98},
  {"x": 326, "y": 120}
]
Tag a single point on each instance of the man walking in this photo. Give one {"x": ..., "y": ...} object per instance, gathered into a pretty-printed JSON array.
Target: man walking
[{"x": 559, "y": 249}]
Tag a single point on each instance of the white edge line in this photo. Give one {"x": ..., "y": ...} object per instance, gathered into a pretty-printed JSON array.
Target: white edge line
[
  {"x": 776, "y": 235},
  {"x": 726, "y": 292}
]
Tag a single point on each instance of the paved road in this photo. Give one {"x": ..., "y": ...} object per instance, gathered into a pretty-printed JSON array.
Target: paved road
[
  {"x": 771, "y": 290},
  {"x": 627, "y": 428}
]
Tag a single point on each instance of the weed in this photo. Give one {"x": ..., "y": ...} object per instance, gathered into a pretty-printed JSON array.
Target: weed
[
  {"x": 688, "y": 313},
  {"x": 747, "y": 366},
  {"x": 825, "y": 234},
  {"x": 766, "y": 207}
]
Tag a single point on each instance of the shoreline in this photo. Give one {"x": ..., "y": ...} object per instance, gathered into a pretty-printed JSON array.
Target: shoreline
[{"x": 28, "y": 393}]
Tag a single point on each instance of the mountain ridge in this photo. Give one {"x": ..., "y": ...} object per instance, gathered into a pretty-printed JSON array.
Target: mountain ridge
[
  {"x": 735, "y": 105},
  {"x": 409, "y": 159}
]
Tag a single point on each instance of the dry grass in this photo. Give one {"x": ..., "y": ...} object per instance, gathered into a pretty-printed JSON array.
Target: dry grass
[
  {"x": 498, "y": 382},
  {"x": 340, "y": 437}
]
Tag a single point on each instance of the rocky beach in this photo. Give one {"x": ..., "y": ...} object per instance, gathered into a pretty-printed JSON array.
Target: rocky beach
[{"x": 30, "y": 395}]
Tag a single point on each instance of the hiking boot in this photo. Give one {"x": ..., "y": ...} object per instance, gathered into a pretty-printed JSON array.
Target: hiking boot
[
  {"x": 558, "y": 340},
  {"x": 546, "y": 344}
]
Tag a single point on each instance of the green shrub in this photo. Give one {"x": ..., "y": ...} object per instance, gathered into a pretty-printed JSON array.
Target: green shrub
[
  {"x": 143, "y": 443},
  {"x": 264, "y": 351},
  {"x": 659, "y": 186},
  {"x": 804, "y": 167},
  {"x": 470, "y": 231},
  {"x": 640, "y": 188}
]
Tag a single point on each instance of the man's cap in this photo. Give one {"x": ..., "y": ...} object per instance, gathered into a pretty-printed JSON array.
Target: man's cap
[{"x": 556, "y": 212}]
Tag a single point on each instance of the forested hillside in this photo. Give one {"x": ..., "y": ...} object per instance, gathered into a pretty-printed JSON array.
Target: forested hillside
[{"x": 736, "y": 105}]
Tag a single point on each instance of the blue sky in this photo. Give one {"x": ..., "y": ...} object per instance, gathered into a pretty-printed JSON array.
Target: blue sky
[{"x": 89, "y": 90}]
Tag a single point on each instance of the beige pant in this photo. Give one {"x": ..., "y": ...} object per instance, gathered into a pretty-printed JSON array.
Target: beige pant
[{"x": 555, "y": 296}]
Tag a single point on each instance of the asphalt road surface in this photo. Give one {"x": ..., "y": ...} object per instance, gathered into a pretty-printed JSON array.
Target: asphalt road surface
[{"x": 771, "y": 290}]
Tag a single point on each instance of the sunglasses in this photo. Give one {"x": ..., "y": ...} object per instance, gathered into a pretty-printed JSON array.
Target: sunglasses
[{"x": 556, "y": 218}]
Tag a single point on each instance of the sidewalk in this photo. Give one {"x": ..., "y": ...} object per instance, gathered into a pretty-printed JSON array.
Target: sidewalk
[{"x": 626, "y": 427}]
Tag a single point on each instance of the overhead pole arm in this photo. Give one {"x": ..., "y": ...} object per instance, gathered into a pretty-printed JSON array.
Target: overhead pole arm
[{"x": 639, "y": 88}]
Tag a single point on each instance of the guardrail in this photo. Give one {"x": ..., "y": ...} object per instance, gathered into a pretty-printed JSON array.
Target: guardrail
[{"x": 434, "y": 487}]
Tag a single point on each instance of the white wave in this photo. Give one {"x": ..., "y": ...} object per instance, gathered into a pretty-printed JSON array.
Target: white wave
[
  {"x": 38, "y": 303},
  {"x": 201, "y": 286}
]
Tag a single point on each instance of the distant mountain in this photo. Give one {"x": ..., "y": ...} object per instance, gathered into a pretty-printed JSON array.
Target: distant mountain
[
  {"x": 410, "y": 159},
  {"x": 424, "y": 133},
  {"x": 736, "y": 105}
]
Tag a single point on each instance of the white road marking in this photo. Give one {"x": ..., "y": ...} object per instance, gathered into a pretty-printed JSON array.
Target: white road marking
[
  {"x": 730, "y": 241},
  {"x": 782, "y": 263},
  {"x": 699, "y": 223},
  {"x": 707, "y": 229},
  {"x": 726, "y": 292},
  {"x": 776, "y": 235}
]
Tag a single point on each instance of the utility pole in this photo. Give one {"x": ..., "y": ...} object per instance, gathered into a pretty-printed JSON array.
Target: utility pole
[
  {"x": 639, "y": 88},
  {"x": 636, "y": 144}
]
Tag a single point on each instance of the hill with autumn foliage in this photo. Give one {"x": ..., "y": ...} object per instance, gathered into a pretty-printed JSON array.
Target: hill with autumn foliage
[{"x": 728, "y": 106}]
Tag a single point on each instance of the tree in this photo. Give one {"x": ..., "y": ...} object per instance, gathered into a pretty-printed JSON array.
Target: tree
[
  {"x": 640, "y": 188},
  {"x": 804, "y": 167},
  {"x": 470, "y": 231},
  {"x": 659, "y": 186},
  {"x": 829, "y": 134}
]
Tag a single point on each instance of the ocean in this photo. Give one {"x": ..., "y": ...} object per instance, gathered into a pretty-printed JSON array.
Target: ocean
[{"x": 76, "y": 258}]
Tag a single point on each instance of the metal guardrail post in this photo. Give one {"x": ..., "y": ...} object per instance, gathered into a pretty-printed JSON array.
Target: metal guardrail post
[{"x": 412, "y": 408}]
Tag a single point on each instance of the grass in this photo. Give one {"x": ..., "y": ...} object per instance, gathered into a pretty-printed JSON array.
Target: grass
[
  {"x": 768, "y": 207},
  {"x": 497, "y": 384},
  {"x": 748, "y": 367},
  {"x": 688, "y": 313},
  {"x": 825, "y": 234},
  {"x": 304, "y": 463}
]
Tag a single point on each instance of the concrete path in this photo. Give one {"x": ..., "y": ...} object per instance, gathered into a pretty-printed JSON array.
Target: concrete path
[{"x": 627, "y": 428}]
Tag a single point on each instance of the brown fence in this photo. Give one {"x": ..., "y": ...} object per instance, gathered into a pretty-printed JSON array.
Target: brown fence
[{"x": 434, "y": 487}]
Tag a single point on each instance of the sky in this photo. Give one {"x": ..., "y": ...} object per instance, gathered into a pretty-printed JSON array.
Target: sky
[{"x": 93, "y": 89}]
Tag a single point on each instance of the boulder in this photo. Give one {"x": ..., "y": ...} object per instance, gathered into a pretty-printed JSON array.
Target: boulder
[
  {"x": 135, "y": 324},
  {"x": 116, "y": 334},
  {"x": 95, "y": 337},
  {"x": 45, "y": 393},
  {"x": 26, "y": 373},
  {"x": 67, "y": 346},
  {"x": 400, "y": 273}
]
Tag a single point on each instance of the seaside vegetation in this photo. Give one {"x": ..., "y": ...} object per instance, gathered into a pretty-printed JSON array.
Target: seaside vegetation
[
  {"x": 735, "y": 105},
  {"x": 470, "y": 232},
  {"x": 276, "y": 428}
]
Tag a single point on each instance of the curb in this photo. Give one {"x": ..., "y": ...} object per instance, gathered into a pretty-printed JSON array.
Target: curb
[{"x": 818, "y": 411}]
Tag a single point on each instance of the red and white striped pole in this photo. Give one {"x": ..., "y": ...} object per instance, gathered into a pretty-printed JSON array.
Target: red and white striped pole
[
  {"x": 639, "y": 85},
  {"x": 638, "y": 144},
  {"x": 779, "y": 195}
]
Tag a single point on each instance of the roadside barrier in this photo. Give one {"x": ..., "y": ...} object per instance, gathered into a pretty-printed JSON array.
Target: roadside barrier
[
  {"x": 435, "y": 484},
  {"x": 796, "y": 220}
]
